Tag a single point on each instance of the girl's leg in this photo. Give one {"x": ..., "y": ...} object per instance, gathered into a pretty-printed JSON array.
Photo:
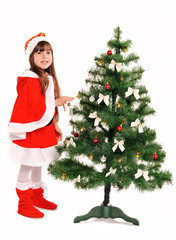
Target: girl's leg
[
  {"x": 24, "y": 174},
  {"x": 25, "y": 194},
  {"x": 36, "y": 174},
  {"x": 23, "y": 181}
]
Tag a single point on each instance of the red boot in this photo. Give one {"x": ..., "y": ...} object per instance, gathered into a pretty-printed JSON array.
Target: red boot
[
  {"x": 40, "y": 201},
  {"x": 25, "y": 205}
]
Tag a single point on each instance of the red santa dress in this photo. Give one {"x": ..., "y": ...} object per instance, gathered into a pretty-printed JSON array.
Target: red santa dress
[{"x": 31, "y": 129}]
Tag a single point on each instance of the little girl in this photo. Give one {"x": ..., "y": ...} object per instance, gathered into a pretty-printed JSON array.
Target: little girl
[{"x": 33, "y": 126}]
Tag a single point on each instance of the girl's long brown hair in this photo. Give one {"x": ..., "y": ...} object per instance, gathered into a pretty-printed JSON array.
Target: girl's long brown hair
[{"x": 45, "y": 46}]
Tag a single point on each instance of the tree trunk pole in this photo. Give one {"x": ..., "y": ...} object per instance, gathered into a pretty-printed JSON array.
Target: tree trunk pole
[{"x": 107, "y": 190}]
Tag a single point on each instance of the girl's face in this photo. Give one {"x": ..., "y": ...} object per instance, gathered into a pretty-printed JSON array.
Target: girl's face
[{"x": 43, "y": 59}]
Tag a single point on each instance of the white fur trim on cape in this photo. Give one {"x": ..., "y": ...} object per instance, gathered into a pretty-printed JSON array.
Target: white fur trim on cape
[
  {"x": 29, "y": 73},
  {"x": 18, "y": 130}
]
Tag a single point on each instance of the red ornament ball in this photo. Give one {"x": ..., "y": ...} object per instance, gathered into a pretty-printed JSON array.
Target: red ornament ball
[
  {"x": 95, "y": 140},
  {"x": 155, "y": 156},
  {"x": 119, "y": 128},
  {"x": 76, "y": 134},
  {"x": 109, "y": 52},
  {"x": 107, "y": 86}
]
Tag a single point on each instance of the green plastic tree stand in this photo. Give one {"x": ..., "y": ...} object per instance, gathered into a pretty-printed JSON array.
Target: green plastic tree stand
[{"x": 106, "y": 212}]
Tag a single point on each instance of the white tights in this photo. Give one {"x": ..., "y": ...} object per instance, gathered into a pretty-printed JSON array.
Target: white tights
[{"x": 28, "y": 174}]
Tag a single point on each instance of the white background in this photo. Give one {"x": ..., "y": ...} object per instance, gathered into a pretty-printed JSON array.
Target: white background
[{"x": 79, "y": 30}]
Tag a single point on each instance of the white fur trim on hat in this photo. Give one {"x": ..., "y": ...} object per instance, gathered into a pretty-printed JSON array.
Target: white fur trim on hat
[{"x": 33, "y": 43}]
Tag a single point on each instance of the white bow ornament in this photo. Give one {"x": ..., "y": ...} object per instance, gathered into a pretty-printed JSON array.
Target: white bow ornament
[
  {"x": 97, "y": 119},
  {"x": 77, "y": 179},
  {"x": 103, "y": 98},
  {"x": 118, "y": 144},
  {"x": 132, "y": 91},
  {"x": 140, "y": 173},
  {"x": 111, "y": 171},
  {"x": 138, "y": 123},
  {"x": 70, "y": 142},
  {"x": 114, "y": 64}
]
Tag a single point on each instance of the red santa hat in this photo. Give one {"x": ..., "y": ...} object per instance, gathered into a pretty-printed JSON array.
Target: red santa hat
[{"x": 32, "y": 42}]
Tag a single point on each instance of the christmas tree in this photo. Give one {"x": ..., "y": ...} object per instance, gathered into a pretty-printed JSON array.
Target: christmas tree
[{"x": 110, "y": 144}]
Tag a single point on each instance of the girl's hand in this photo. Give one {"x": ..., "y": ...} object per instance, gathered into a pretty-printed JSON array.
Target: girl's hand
[
  {"x": 63, "y": 100},
  {"x": 58, "y": 132}
]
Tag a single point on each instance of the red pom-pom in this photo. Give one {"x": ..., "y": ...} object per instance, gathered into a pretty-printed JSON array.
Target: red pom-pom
[
  {"x": 107, "y": 86},
  {"x": 109, "y": 52},
  {"x": 119, "y": 128},
  {"x": 155, "y": 156}
]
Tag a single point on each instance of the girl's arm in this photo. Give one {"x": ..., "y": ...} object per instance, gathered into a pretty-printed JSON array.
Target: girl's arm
[
  {"x": 57, "y": 129},
  {"x": 54, "y": 120},
  {"x": 63, "y": 100}
]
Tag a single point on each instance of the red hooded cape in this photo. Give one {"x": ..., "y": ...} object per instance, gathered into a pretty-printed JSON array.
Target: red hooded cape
[{"x": 31, "y": 124}]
